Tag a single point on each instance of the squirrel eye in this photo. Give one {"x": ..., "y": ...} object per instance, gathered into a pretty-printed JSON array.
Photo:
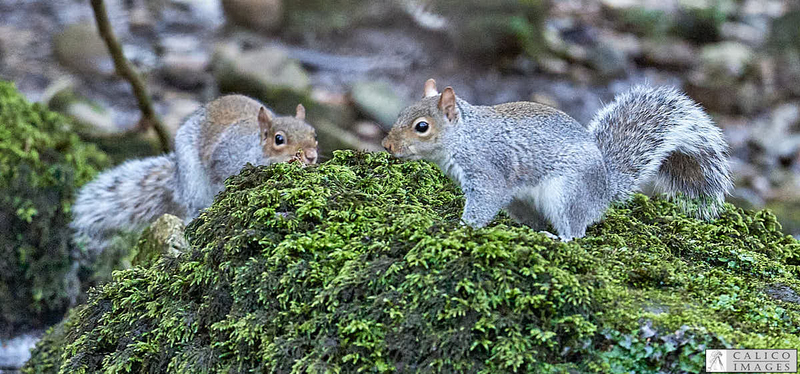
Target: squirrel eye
[
  {"x": 421, "y": 127},
  {"x": 279, "y": 139}
]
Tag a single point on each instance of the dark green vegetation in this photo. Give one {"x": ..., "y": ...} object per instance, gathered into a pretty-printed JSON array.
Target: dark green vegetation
[
  {"x": 360, "y": 263},
  {"x": 42, "y": 161}
]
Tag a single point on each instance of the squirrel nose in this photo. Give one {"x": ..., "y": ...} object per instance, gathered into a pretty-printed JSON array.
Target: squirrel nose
[
  {"x": 386, "y": 145},
  {"x": 310, "y": 155}
]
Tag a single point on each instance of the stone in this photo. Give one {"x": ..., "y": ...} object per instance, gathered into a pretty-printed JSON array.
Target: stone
[
  {"x": 257, "y": 15},
  {"x": 773, "y": 133},
  {"x": 545, "y": 99},
  {"x": 745, "y": 33},
  {"x": 726, "y": 59},
  {"x": 99, "y": 120},
  {"x": 266, "y": 73},
  {"x": 80, "y": 48},
  {"x": 178, "y": 109},
  {"x": 184, "y": 63},
  {"x": 609, "y": 62},
  {"x": 374, "y": 245},
  {"x": 15, "y": 351},
  {"x": 164, "y": 237},
  {"x": 619, "y": 4},
  {"x": 141, "y": 18},
  {"x": 369, "y": 130},
  {"x": 378, "y": 100},
  {"x": 788, "y": 71},
  {"x": 554, "y": 65},
  {"x": 671, "y": 53},
  {"x": 186, "y": 71},
  {"x": 770, "y": 8}
]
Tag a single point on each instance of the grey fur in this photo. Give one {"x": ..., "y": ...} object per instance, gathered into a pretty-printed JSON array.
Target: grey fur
[
  {"x": 541, "y": 165},
  {"x": 132, "y": 195},
  {"x": 127, "y": 197}
]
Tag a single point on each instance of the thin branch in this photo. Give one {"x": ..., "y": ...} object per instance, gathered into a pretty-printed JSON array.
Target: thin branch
[{"x": 124, "y": 69}]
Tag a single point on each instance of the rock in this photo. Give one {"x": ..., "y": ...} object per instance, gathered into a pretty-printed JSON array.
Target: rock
[
  {"x": 366, "y": 248},
  {"x": 627, "y": 43},
  {"x": 141, "y": 18},
  {"x": 326, "y": 97},
  {"x": 184, "y": 53},
  {"x": 378, "y": 100},
  {"x": 80, "y": 48},
  {"x": 48, "y": 163},
  {"x": 488, "y": 29},
  {"x": 726, "y": 59},
  {"x": 609, "y": 62},
  {"x": 672, "y": 53},
  {"x": 266, "y": 73},
  {"x": 581, "y": 74},
  {"x": 99, "y": 120},
  {"x": 369, "y": 130},
  {"x": 59, "y": 93},
  {"x": 545, "y": 99},
  {"x": 745, "y": 33},
  {"x": 15, "y": 351},
  {"x": 773, "y": 135},
  {"x": 725, "y": 94},
  {"x": 553, "y": 65},
  {"x": 784, "y": 32},
  {"x": 784, "y": 293},
  {"x": 788, "y": 71},
  {"x": 164, "y": 237},
  {"x": 332, "y": 137},
  {"x": 769, "y": 8},
  {"x": 187, "y": 71},
  {"x": 725, "y": 80},
  {"x": 700, "y": 21},
  {"x": 177, "y": 110},
  {"x": 785, "y": 43},
  {"x": 258, "y": 15},
  {"x": 619, "y": 4}
]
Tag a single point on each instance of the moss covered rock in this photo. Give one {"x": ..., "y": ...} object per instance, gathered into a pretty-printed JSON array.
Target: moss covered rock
[
  {"x": 360, "y": 264},
  {"x": 42, "y": 161}
]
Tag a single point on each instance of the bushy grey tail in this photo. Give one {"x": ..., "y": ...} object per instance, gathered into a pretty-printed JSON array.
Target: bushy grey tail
[
  {"x": 124, "y": 199},
  {"x": 659, "y": 133}
]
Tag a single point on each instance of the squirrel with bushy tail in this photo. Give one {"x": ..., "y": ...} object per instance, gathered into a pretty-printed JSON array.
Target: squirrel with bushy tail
[
  {"x": 542, "y": 166},
  {"x": 213, "y": 143}
]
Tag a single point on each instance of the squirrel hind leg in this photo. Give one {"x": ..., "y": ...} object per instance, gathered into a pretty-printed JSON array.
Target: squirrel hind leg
[
  {"x": 702, "y": 180},
  {"x": 569, "y": 204}
]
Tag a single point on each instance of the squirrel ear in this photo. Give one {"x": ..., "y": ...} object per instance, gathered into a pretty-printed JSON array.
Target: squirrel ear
[
  {"x": 301, "y": 112},
  {"x": 264, "y": 120},
  {"x": 447, "y": 103},
  {"x": 430, "y": 88}
]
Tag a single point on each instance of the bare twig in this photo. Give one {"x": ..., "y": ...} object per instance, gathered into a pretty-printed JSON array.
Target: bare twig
[{"x": 149, "y": 117}]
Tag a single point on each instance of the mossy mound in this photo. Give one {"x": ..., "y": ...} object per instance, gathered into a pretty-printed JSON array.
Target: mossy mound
[
  {"x": 360, "y": 264},
  {"x": 42, "y": 161}
]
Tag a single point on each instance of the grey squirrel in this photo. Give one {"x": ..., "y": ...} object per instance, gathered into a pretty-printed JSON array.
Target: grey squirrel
[
  {"x": 541, "y": 165},
  {"x": 213, "y": 143}
]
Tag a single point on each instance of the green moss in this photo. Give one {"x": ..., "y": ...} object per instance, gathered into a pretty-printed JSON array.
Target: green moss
[
  {"x": 360, "y": 264},
  {"x": 42, "y": 161}
]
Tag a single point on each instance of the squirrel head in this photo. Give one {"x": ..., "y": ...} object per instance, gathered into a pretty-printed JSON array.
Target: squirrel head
[
  {"x": 283, "y": 138},
  {"x": 418, "y": 131}
]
